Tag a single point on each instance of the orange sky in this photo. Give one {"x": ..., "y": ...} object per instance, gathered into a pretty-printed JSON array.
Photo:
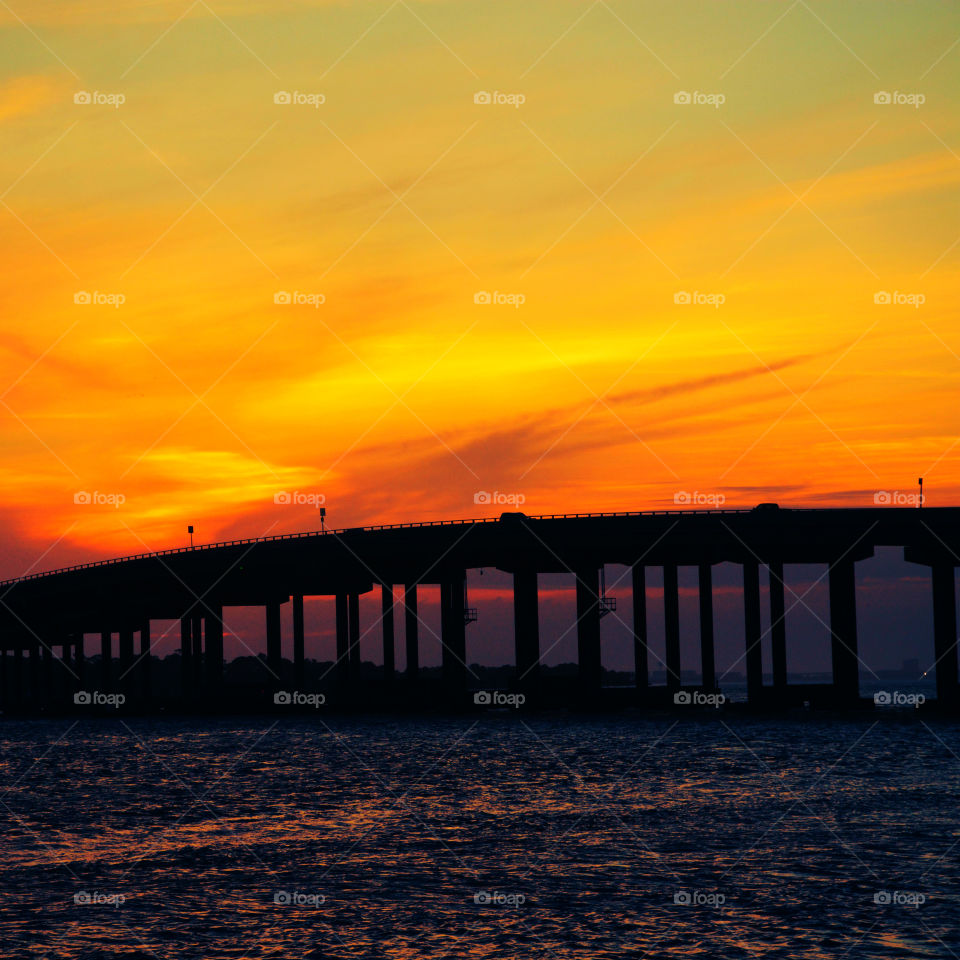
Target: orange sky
[{"x": 599, "y": 201}]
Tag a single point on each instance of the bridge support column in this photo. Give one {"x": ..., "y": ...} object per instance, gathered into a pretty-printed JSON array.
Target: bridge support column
[
  {"x": 588, "y": 631},
  {"x": 274, "y": 641},
  {"x": 671, "y": 622},
  {"x": 354, "y": 606},
  {"x": 4, "y": 678},
  {"x": 453, "y": 636},
  {"x": 75, "y": 682},
  {"x": 213, "y": 632},
  {"x": 641, "y": 654},
  {"x": 708, "y": 668},
  {"x": 843, "y": 630},
  {"x": 778, "y": 627},
  {"x": 186, "y": 657},
  {"x": 196, "y": 632},
  {"x": 343, "y": 641},
  {"x": 143, "y": 663},
  {"x": 36, "y": 693},
  {"x": 125, "y": 665},
  {"x": 106, "y": 654},
  {"x": 752, "y": 630},
  {"x": 386, "y": 622},
  {"x": 47, "y": 675},
  {"x": 526, "y": 628},
  {"x": 411, "y": 631},
  {"x": 945, "y": 632},
  {"x": 17, "y": 686},
  {"x": 298, "y": 655}
]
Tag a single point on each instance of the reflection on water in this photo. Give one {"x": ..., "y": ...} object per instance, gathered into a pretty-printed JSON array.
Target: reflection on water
[{"x": 504, "y": 837}]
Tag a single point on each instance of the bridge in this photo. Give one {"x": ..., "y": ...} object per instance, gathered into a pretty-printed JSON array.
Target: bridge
[{"x": 44, "y": 617}]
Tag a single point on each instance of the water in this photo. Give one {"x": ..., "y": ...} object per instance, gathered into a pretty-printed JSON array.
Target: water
[{"x": 507, "y": 837}]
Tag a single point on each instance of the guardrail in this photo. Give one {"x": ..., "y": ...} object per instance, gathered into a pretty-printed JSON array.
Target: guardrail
[{"x": 173, "y": 551}]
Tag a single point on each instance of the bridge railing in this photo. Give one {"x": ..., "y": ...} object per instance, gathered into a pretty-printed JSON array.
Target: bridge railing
[{"x": 370, "y": 528}]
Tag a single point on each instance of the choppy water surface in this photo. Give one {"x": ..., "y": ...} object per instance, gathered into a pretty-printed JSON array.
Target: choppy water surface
[{"x": 504, "y": 837}]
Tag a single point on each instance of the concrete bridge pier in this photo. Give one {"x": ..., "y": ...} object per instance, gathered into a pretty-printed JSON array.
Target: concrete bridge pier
[
  {"x": 671, "y": 621},
  {"x": 387, "y": 604},
  {"x": 36, "y": 691},
  {"x": 641, "y": 654},
  {"x": 778, "y": 627},
  {"x": 274, "y": 642},
  {"x": 106, "y": 658},
  {"x": 353, "y": 605},
  {"x": 186, "y": 657},
  {"x": 526, "y": 629},
  {"x": 298, "y": 654},
  {"x": 708, "y": 668},
  {"x": 75, "y": 682},
  {"x": 342, "y": 669},
  {"x": 46, "y": 694},
  {"x": 588, "y": 632},
  {"x": 411, "y": 631},
  {"x": 196, "y": 632},
  {"x": 843, "y": 631},
  {"x": 945, "y": 632},
  {"x": 143, "y": 663},
  {"x": 125, "y": 664},
  {"x": 453, "y": 636},
  {"x": 213, "y": 632},
  {"x": 752, "y": 630}
]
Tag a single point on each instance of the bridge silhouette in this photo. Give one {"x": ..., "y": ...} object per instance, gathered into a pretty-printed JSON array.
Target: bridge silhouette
[{"x": 44, "y": 617}]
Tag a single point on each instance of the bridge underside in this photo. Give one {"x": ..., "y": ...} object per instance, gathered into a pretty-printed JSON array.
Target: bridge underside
[{"x": 46, "y": 621}]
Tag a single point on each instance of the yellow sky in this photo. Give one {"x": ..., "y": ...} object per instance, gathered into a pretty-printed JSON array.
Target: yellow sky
[{"x": 599, "y": 201}]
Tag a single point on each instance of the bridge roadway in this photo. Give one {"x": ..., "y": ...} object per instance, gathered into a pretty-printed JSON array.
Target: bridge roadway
[{"x": 45, "y": 611}]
